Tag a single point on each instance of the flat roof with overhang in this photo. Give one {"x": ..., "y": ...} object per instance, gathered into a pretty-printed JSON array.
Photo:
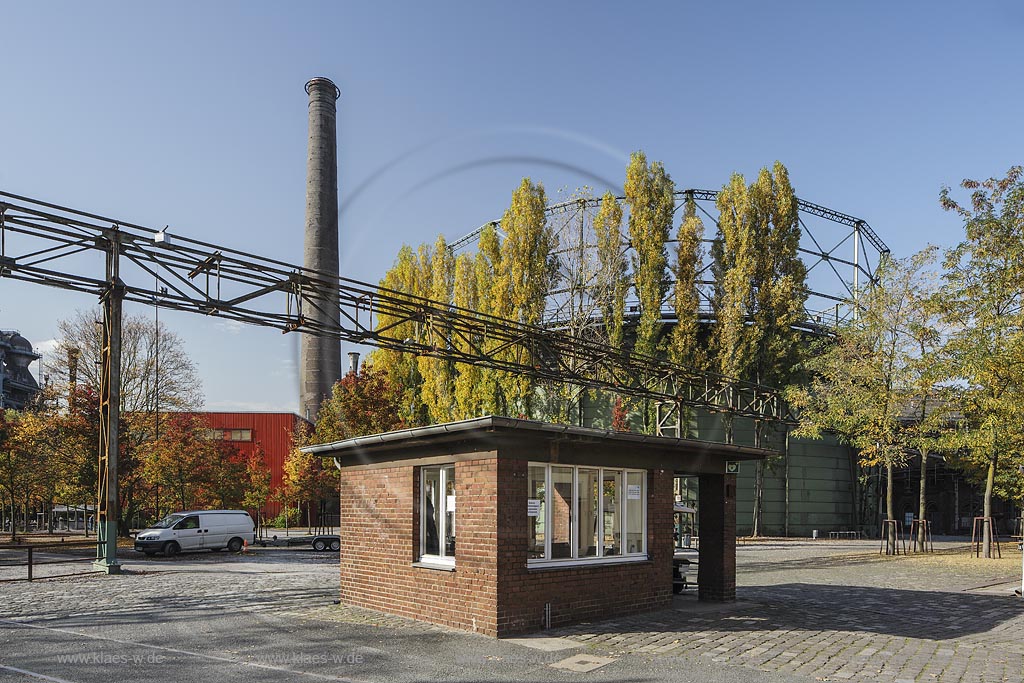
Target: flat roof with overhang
[{"x": 539, "y": 441}]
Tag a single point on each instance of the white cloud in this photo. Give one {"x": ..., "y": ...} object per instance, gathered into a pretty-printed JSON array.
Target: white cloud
[
  {"x": 46, "y": 347},
  {"x": 229, "y": 326}
]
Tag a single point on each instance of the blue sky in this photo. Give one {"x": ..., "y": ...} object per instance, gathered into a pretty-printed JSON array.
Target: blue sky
[{"x": 193, "y": 115}]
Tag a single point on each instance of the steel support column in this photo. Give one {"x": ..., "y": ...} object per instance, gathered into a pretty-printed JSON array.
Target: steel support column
[{"x": 110, "y": 414}]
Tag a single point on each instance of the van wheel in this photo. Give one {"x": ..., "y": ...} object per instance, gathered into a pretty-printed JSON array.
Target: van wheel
[
  {"x": 319, "y": 544},
  {"x": 235, "y": 544},
  {"x": 335, "y": 545},
  {"x": 172, "y": 549}
]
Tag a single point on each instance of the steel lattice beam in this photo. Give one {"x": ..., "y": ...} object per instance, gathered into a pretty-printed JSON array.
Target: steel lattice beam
[{"x": 43, "y": 243}]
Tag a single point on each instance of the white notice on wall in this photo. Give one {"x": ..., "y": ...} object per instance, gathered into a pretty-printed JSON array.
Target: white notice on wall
[
  {"x": 533, "y": 507},
  {"x": 633, "y": 492},
  {"x": 451, "y": 504}
]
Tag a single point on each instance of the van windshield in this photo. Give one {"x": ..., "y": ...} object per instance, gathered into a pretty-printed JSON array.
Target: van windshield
[{"x": 168, "y": 521}]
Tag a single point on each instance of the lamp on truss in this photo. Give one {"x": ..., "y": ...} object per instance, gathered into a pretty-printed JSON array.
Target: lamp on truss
[{"x": 162, "y": 237}]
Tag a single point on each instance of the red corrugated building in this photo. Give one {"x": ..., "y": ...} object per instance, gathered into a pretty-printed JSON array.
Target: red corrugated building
[{"x": 271, "y": 431}]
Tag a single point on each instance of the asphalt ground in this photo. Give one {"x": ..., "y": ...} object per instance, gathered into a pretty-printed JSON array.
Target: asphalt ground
[{"x": 808, "y": 611}]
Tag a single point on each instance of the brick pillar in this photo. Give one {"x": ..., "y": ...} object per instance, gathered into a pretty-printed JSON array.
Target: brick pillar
[{"x": 716, "y": 571}]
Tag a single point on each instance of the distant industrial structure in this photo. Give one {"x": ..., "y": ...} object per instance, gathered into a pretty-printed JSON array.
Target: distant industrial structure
[
  {"x": 271, "y": 434},
  {"x": 17, "y": 385}
]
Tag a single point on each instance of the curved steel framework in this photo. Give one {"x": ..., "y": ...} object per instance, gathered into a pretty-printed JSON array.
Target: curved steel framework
[{"x": 841, "y": 253}]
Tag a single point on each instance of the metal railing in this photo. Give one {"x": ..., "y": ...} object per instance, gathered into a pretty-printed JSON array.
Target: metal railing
[{"x": 32, "y": 559}]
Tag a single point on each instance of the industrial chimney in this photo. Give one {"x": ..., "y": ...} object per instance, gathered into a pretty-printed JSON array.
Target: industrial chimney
[{"x": 321, "y": 356}]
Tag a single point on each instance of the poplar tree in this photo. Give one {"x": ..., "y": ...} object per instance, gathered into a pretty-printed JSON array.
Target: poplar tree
[
  {"x": 778, "y": 297},
  {"x": 982, "y": 301},
  {"x": 780, "y": 290},
  {"x": 406, "y": 276},
  {"x": 493, "y": 298},
  {"x": 438, "y": 388},
  {"x": 684, "y": 346},
  {"x": 649, "y": 193},
  {"x": 469, "y": 400},
  {"x": 734, "y": 267},
  {"x": 612, "y": 282},
  {"x": 526, "y": 275}
]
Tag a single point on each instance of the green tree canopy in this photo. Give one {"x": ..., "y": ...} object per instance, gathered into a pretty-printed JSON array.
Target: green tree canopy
[{"x": 982, "y": 303}]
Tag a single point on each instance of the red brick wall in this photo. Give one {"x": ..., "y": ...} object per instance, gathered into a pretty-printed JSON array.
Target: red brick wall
[
  {"x": 490, "y": 591},
  {"x": 380, "y": 541},
  {"x": 579, "y": 593}
]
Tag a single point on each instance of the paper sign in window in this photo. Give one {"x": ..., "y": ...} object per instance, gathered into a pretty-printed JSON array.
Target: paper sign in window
[
  {"x": 533, "y": 507},
  {"x": 634, "y": 492}
]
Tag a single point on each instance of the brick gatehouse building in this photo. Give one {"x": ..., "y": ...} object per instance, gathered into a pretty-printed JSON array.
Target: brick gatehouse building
[{"x": 502, "y": 526}]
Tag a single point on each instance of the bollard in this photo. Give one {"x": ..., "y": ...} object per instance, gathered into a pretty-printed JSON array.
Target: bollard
[{"x": 30, "y": 563}]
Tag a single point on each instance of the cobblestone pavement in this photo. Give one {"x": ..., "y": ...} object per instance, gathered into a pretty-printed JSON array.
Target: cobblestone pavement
[
  {"x": 807, "y": 611},
  {"x": 849, "y": 616},
  {"x": 281, "y": 581}
]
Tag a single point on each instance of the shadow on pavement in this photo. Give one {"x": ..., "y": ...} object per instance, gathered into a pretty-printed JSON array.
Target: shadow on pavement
[{"x": 931, "y": 615}]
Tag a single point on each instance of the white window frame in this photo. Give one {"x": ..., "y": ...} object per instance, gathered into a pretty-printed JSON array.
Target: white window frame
[
  {"x": 441, "y": 561},
  {"x": 574, "y": 530}
]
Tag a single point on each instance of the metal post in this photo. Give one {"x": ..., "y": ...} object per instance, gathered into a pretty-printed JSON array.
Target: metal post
[
  {"x": 110, "y": 414},
  {"x": 156, "y": 379},
  {"x": 856, "y": 272}
]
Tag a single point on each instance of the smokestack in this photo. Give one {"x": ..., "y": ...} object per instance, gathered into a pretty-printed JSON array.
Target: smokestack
[{"x": 321, "y": 356}]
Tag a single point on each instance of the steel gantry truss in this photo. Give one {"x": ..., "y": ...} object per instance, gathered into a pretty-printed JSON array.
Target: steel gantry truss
[{"x": 57, "y": 246}]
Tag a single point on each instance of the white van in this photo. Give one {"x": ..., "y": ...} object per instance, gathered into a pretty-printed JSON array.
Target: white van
[{"x": 197, "y": 529}]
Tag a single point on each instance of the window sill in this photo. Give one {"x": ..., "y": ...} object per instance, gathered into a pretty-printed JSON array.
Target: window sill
[
  {"x": 577, "y": 563},
  {"x": 440, "y": 566}
]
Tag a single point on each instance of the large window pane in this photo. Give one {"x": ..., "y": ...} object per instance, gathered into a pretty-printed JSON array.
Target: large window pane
[
  {"x": 561, "y": 512},
  {"x": 611, "y": 510},
  {"x": 589, "y": 495},
  {"x": 635, "y": 493},
  {"x": 431, "y": 510},
  {"x": 536, "y": 509}
]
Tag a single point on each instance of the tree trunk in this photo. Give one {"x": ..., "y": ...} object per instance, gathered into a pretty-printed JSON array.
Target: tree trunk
[
  {"x": 14, "y": 526},
  {"x": 785, "y": 454},
  {"x": 758, "y": 493},
  {"x": 890, "y": 511},
  {"x": 986, "y": 543},
  {"x": 921, "y": 499}
]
